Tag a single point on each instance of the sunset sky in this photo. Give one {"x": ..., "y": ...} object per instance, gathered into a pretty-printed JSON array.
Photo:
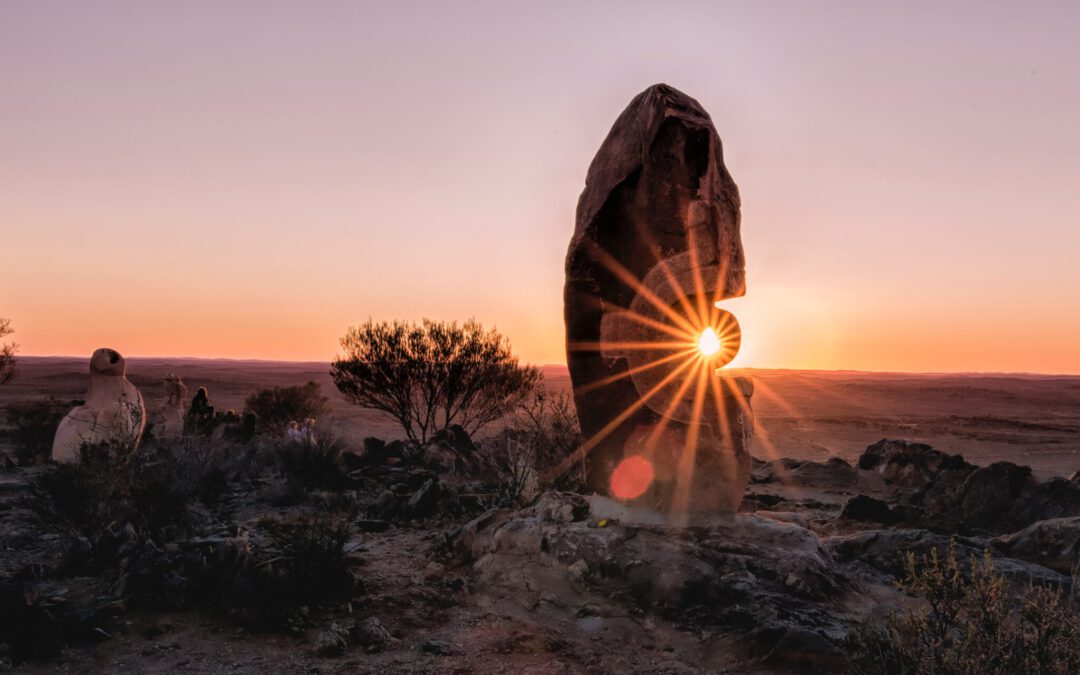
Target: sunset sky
[{"x": 248, "y": 179}]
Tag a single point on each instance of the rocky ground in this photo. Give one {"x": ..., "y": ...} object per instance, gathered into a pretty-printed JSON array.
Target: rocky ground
[{"x": 433, "y": 571}]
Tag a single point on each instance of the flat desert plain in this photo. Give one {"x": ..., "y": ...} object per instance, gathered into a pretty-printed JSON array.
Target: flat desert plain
[{"x": 1027, "y": 419}]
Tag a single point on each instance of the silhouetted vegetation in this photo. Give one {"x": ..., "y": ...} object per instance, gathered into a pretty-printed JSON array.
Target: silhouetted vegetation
[
  {"x": 433, "y": 375},
  {"x": 534, "y": 452},
  {"x": 303, "y": 562},
  {"x": 152, "y": 489},
  {"x": 277, "y": 406},
  {"x": 969, "y": 622},
  {"x": 33, "y": 427},
  {"x": 7, "y": 352},
  {"x": 314, "y": 461}
]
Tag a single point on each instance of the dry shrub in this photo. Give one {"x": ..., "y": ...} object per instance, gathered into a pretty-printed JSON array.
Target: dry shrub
[
  {"x": 275, "y": 407},
  {"x": 314, "y": 463},
  {"x": 154, "y": 489},
  {"x": 972, "y": 624},
  {"x": 7, "y": 353},
  {"x": 303, "y": 563},
  {"x": 534, "y": 451},
  {"x": 33, "y": 427}
]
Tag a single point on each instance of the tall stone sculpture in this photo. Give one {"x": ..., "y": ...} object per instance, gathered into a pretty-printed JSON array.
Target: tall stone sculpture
[
  {"x": 113, "y": 412},
  {"x": 172, "y": 409},
  {"x": 655, "y": 248}
]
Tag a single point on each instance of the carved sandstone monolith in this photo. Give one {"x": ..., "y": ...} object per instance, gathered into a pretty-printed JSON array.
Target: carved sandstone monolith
[
  {"x": 172, "y": 409},
  {"x": 655, "y": 248},
  {"x": 113, "y": 412}
]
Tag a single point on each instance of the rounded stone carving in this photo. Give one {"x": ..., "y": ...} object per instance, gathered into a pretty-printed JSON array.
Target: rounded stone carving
[{"x": 113, "y": 412}]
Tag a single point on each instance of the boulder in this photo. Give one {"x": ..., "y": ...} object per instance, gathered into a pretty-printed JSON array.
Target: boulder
[
  {"x": 655, "y": 246},
  {"x": 450, "y": 451},
  {"x": 371, "y": 635},
  {"x": 832, "y": 474},
  {"x": 1053, "y": 543},
  {"x": 332, "y": 641},
  {"x": 867, "y": 509},
  {"x": 113, "y": 414},
  {"x": 907, "y": 464}
]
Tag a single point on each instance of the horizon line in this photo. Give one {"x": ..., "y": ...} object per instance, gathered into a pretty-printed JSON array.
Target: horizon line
[{"x": 984, "y": 373}]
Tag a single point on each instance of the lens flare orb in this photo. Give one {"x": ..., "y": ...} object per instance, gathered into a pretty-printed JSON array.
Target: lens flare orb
[{"x": 632, "y": 477}]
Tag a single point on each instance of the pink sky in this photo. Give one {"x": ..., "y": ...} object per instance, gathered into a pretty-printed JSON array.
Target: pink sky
[{"x": 247, "y": 179}]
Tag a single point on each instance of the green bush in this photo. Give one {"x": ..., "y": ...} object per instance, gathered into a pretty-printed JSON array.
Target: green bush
[{"x": 971, "y": 624}]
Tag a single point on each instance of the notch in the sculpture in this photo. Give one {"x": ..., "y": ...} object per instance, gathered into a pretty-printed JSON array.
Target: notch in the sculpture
[
  {"x": 719, "y": 342},
  {"x": 717, "y": 335}
]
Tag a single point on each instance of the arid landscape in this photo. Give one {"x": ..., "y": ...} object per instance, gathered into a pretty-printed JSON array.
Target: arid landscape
[
  {"x": 1027, "y": 419},
  {"x": 602, "y": 338},
  {"x": 428, "y": 599}
]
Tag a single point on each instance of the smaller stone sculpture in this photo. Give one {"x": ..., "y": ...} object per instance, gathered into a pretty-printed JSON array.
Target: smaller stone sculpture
[
  {"x": 113, "y": 412},
  {"x": 200, "y": 416},
  {"x": 171, "y": 411}
]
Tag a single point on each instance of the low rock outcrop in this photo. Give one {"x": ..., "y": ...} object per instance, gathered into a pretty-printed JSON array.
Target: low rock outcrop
[
  {"x": 766, "y": 580},
  {"x": 1053, "y": 543}
]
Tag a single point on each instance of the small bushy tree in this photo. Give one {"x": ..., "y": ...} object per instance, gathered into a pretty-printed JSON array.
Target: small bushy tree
[
  {"x": 432, "y": 375},
  {"x": 277, "y": 406},
  {"x": 7, "y": 352}
]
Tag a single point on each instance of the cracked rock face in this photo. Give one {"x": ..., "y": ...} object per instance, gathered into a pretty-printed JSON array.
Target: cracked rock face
[
  {"x": 749, "y": 575},
  {"x": 114, "y": 412},
  {"x": 655, "y": 247}
]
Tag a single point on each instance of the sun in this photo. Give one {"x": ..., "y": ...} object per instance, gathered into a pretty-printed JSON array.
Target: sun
[{"x": 709, "y": 342}]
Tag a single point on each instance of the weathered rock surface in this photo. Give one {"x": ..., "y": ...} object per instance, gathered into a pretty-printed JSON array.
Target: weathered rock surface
[
  {"x": 658, "y": 221},
  {"x": 832, "y": 474},
  {"x": 1053, "y": 543},
  {"x": 908, "y": 464},
  {"x": 113, "y": 413},
  {"x": 884, "y": 551},
  {"x": 945, "y": 494},
  {"x": 755, "y": 576}
]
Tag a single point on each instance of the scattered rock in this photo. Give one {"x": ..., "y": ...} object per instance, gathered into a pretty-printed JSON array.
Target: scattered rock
[
  {"x": 805, "y": 649},
  {"x": 371, "y": 635},
  {"x": 869, "y": 510},
  {"x": 907, "y": 464},
  {"x": 437, "y": 647},
  {"x": 1053, "y": 543},
  {"x": 332, "y": 641},
  {"x": 425, "y": 500}
]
